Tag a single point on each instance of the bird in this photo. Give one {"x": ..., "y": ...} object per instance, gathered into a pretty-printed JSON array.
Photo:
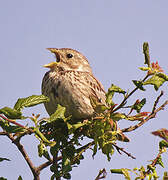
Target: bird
[{"x": 71, "y": 84}]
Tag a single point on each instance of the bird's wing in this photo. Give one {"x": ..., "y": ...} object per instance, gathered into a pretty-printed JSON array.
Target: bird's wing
[{"x": 96, "y": 88}]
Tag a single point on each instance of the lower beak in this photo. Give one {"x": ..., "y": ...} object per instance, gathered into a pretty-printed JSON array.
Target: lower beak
[{"x": 51, "y": 65}]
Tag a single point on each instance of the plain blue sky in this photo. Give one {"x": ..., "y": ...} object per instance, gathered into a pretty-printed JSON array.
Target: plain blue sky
[{"x": 110, "y": 34}]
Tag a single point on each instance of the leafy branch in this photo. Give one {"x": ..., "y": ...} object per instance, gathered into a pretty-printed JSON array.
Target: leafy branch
[{"x": 61, "y": 140}]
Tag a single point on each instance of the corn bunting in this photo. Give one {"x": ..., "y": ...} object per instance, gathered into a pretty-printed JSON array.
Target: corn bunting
[{"x": 70, "y": 83}]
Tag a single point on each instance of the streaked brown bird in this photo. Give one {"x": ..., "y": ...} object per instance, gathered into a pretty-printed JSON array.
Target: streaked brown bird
[{"x": 70, "y": 83}]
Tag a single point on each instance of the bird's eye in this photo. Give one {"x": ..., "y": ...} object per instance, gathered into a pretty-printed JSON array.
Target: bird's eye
[{"x": 69, "y": 56}]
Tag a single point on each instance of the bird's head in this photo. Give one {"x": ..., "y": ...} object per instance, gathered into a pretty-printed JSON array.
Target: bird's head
[{"x": 68, "y": 59}]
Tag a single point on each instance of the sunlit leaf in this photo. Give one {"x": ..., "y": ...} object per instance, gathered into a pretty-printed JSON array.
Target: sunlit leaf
[
  {"x": 117, "y": 89},
  {"x": 30, "y": 101},
  {"x": 156, "y": 80},
  {"x": 116, "y": 171},
  {"x": 109, "y": 95},
  {"x": 118, "y": 116},
  {"x": 145, "y": 68},
  {"x": 126, "y": 174},
  {"x": 59, "y": 114}
]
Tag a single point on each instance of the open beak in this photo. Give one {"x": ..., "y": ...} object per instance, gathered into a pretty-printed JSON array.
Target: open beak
[
  {"x": 56, "y": 52},
  {"x": 51, "y": 65}
]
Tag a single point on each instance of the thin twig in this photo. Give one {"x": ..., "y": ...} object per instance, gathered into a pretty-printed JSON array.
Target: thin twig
[
  {"x": 152, "y": 115},
  {"x": 17, "y": 124},
  {"x": 157, "y": 101},
  {"x": 47, "y": 163},
  {"x": 26, "y": 157},
  {"x": 128, "y": 95},
  {"x": 122, "y": 149},
  {"x": 153, "y": 164}
]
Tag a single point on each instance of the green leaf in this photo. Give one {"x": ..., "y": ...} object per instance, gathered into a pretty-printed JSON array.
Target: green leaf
[
  {"x": 20, "y": 178},
  {"x": 138, "y": 106},
  {"x": 42, "y": 151},
  {"x": 67, "y": 176},
  {"x": 162, "y": 75},
  {"x": 117, "y": 89},
  {"x": 126, "y": 174},
  {"x": 163, "y": 144},
  {"x": 59, "y": 114},
  {"x": 118, "y": 116},
  {"x": 116, "y": 171},
  {"x": 109, "y": 95},
  {"x": 11, "y": 113},
  {"x": 165, "y": 177},
  {"x": 145, "y": 68},
  {"x": 43, "y": 138},
  {"x": 146, "y": 53},
  {"x": 4, "y": 159},
  {"x": 160, "y": 162},
  {"x": 11, "y": 129},
  {"x": 139, "y": 84},
  {"x": 2, "y": 178},
  {"x": 30, "y": 101},
  {"x": 108, "y": 150},
  {"x": 156, "y": 80}
]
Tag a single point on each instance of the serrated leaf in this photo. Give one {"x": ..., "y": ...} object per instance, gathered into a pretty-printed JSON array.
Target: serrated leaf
[
  {"x": 138, "y": 84},
  {"x": 30, "y": 101},
  {"x": 59, "y": 114},
  {"x": 4, "y": 159},
  {"x": 11, "y": 113},
  {"x": 156, "y": 80}
]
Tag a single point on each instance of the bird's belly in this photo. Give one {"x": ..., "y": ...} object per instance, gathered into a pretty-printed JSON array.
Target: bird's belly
[{"x": 74, "y": 98}]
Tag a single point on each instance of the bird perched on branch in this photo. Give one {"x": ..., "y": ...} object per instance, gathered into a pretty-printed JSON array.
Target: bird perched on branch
[{"x": 70, "y": 83}]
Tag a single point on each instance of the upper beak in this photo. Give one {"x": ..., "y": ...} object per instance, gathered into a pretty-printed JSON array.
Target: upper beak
[
  {"x": 56, "y": 51},
  {"x": 53, "y": 50}
]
